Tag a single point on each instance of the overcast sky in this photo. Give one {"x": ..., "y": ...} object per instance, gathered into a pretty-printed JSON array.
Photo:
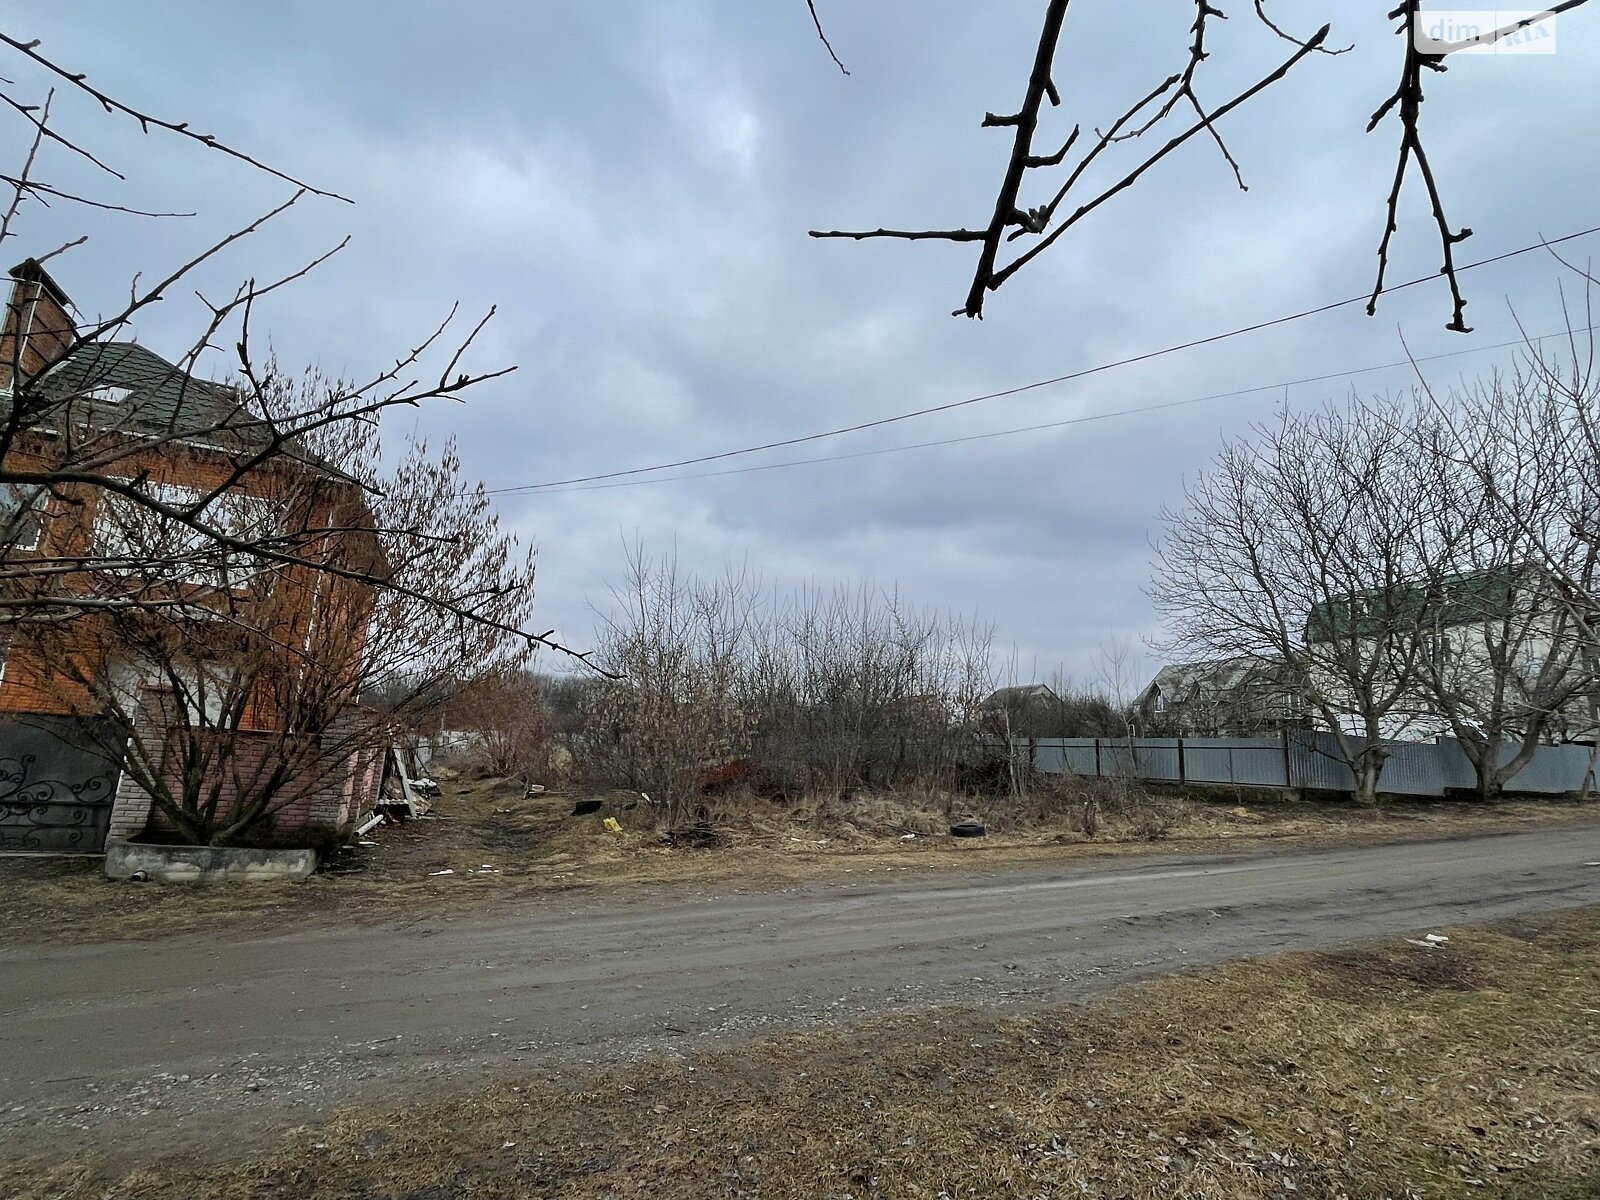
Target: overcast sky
[{"x": 631, "y": 184}]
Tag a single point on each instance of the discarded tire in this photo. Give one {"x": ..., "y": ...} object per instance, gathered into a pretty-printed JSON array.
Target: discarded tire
[
  {"x": 584, "y": 808},
  {"x": 967, "y": 829}
]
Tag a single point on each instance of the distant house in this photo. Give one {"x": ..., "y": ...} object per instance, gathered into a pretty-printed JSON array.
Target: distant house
[
  {"x": 1034, "y": 710},
  {"x": 1027, "y": 709},
  {"x": 1024, "y": 711},
  {"x": 1023, "y": 698},
  {"x": 1490, "y": 637},
  {"x": 1225, "y": 697}
]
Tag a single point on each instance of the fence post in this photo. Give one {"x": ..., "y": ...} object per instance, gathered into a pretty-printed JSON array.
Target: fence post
[
  {"x": 1288, "y": 769},
  {"x": 1097, "y": 758},
  {"x": 1182, "y": 778}
]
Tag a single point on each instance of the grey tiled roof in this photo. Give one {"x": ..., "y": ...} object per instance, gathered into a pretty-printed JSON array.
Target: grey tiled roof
[
  {"x": 1018, "y": 697},
  {"x": 1218, "y": 680},
  {"x": 1181, "y": 680},
  {"x": 161, "y": 399}
]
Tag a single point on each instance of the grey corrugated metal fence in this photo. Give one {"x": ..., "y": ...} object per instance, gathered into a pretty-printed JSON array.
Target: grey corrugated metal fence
[{"x": 1302, "y": 759}]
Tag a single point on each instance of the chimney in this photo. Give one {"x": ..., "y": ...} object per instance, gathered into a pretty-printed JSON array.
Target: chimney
[{"x": 38, "y": 329}]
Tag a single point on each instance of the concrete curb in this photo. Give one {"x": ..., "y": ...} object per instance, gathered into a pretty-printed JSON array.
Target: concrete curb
[{"x": 205, "y": 864}]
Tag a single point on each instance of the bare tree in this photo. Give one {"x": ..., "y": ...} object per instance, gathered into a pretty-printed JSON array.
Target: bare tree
[
  {"x": 1299, "y": 550},
  {"x": 507, "y": 712},
  {"x": 675, "y": 645},
  {"x": 1115, "y": 672},
  {"x": 1512, "y": 462},
  {"x": 824, "y": 691},
  {"x": 1534, "y": 450},
  {"x": 1163, "y": 114},
  {"x": 246, "y": 678},
  {"x": 64, "y": 441}
]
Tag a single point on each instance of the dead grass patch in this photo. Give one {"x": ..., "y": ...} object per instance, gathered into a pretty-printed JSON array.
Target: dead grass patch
[
  {"x": 1355, "y": 975},
  {"x": 1247, "y": 1080},
  {"x": 501, "y": 848}
]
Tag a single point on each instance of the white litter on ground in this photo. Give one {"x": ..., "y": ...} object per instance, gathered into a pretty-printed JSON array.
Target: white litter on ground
[{"x": 1429, "y": 941}]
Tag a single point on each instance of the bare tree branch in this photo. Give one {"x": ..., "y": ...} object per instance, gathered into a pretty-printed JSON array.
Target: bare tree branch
[
  {"x": 146, "y": 121},
  {"x": 817, "y": 21},
  {"x": 910, "y": 235},
  {"x": 44, "y": 189},
  {"x": 1407, "y": 103},
  {"x": 1011, "y": 219},
  {"x": 1014, "y": 220},
  {"x": 1261, "y": 14},
  {"x": 1133, "y": 176}
]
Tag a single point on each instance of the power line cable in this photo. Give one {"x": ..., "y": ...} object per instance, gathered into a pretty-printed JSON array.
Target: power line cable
[
  {"x": 1542, "y": 243},
  {"x": 1080, "y": 420}
]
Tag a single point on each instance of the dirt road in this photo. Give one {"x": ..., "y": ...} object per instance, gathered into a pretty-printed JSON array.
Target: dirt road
[{"x": 99, "y": 1042}]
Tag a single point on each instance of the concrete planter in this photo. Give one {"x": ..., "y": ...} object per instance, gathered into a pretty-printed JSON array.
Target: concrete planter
[{"x": 205, "y": 864}]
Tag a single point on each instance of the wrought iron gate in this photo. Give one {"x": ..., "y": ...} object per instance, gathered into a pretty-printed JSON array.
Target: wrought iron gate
[{"x": 58, "y": 782}]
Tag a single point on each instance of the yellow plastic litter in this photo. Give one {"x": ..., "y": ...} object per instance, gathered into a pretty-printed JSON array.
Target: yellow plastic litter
[{"x": 611, "y": 825}]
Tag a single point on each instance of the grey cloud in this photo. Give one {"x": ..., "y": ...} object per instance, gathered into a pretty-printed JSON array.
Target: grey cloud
[{"x": 631, "y": 185}]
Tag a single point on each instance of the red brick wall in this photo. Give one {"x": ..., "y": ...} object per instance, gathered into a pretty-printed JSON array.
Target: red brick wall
[
  {"x": 252, "y": 759},
  {"x": 361, "y": 783},
  {"x": 37, "y": 328},
  {"x": 341, "y": 606},
  {"x": 326, "y": 794}
]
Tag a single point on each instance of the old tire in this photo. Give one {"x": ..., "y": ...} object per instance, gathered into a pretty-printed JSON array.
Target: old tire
[{"x": 968, "y": 829}]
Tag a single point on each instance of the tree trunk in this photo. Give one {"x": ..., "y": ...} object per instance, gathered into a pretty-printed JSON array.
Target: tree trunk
[
  {"x": 1366, "y": 765},
  {"x": 1484, "y": 760},
  {"x": 1368, "y": 770},
  {"x": 1493, "y": 775}
]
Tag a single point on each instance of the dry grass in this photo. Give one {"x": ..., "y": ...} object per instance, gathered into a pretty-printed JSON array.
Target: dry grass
[
  {"x": 504, "y": 849},
  {"x": 1386, "y": 1070}
]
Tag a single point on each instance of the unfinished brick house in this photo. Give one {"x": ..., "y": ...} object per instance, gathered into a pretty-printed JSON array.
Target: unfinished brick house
[{"x": 189, "y": 691}]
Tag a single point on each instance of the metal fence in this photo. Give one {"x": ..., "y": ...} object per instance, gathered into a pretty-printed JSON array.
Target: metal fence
[
  {"x": 1304, "y": 759},
  {"x": 58, "y": 781}
]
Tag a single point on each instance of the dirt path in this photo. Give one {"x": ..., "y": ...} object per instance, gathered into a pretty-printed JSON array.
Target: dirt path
[{"x": 107, "y": 1043}]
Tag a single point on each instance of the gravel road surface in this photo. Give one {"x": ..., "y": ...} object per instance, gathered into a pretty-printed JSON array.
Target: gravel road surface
[{"x": 103, "y": 1044}]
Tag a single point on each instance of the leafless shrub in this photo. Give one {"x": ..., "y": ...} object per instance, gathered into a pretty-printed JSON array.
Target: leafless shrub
[
  {"x": 506, "y": 710},
  {"x": 677, "y": 645},
  {"x": 856, "y": 689},
  {"x": 815, "y": 691},
  {"x": 1150, "y": 823},
  {"x": 1117, "y": 809}
]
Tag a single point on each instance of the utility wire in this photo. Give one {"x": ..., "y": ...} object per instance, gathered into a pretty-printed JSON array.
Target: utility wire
[
  {"x": 1542, "y": 243},
  {"x": 1081, "y": 420}
]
